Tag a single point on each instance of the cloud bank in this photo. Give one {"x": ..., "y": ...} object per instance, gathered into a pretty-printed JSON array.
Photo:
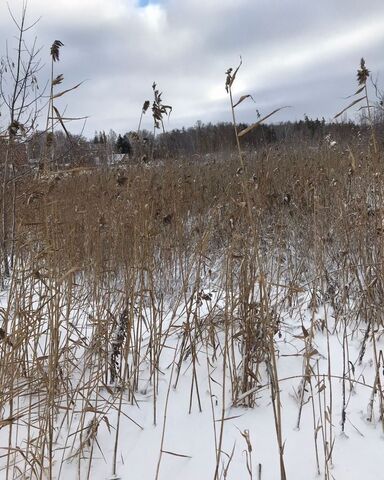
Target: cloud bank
[{"x": 300, "y": 53}]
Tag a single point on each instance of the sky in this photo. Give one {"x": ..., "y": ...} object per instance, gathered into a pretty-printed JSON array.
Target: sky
[{"x": 301, "y": 53}]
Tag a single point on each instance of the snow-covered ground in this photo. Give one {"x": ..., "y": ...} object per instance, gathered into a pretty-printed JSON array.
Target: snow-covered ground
[{"x": 187, "y": 425}]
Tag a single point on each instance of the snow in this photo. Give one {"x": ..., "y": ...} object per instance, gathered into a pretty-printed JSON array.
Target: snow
[{"x": 190, "y": 435}]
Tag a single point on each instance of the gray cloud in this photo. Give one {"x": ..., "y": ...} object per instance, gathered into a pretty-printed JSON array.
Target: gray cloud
[{"x": 300, "y": 53}]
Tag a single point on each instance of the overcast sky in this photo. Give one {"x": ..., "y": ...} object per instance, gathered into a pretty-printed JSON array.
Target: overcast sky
[{"x": 302, "y": 53}]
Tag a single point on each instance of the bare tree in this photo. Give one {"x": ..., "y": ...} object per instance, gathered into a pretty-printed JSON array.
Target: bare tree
[{"x": 20, "y": 99}]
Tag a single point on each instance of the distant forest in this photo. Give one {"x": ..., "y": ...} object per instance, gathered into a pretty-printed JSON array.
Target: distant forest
[
  {"x": 200, "y": 139},
  {"x": 210, "y": 138}
]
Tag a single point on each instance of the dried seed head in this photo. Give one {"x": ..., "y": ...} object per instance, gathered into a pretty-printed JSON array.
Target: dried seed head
[
  {"x": 146, "y": 105},
  {"x": 55, "y": 50},
  {"x": 231, "y": 76},
  {"x": 158, "y": 108},
  {"x": 228, "y": 80},
  {"x": 59, "y": 79},
  {"x": 16, "y": 127},
  {"x": 362, "y": 73}
]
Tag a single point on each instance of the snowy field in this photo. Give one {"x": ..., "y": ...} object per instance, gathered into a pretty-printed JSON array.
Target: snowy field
[
  {"x": 177, "y": 402},
  {"x": 157, "y": 329}
]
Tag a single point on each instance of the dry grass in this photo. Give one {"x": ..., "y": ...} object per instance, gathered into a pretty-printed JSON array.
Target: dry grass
[
  {"x": 111, "y": 265},
  {"x": 195, "y": 272}
]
